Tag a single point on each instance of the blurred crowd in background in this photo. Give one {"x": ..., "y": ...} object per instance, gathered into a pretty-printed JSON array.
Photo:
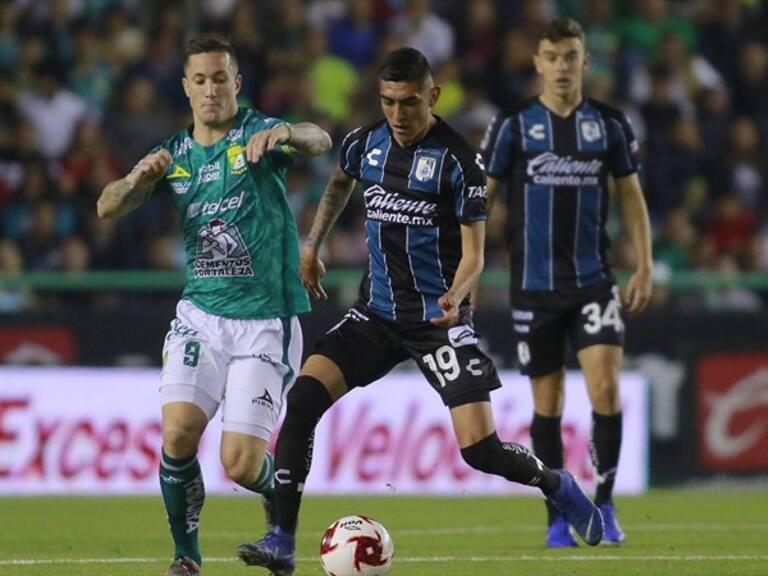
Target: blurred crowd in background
[{"x": 87, "y": 87}]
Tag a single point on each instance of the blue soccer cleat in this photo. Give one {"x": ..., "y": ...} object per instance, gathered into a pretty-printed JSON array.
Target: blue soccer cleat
[
  {"x": 559, "y": 534},
  {"x": 612, "y": 532},
  {"x": 578, "y": 509},
  {"x": 276, "y": 552}
]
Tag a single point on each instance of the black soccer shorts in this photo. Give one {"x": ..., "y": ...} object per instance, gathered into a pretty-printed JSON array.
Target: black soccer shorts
[
  {"x": 366, "y": 347},
  {"x": 543, "y": 323}
]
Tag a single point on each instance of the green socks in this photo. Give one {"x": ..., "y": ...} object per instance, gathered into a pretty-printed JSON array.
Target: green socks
[
  {"x": 265, "y": 482},
  {"x": 181, "y": 484}
]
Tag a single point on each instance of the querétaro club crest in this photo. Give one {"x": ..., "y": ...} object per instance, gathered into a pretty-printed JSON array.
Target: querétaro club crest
[{"x": 221, "y": 251}]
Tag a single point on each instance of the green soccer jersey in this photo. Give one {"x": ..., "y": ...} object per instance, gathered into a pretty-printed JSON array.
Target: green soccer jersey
[{"x": 239, "y": 232}]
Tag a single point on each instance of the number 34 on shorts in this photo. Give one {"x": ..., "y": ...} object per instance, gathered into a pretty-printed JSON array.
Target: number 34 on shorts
[{"x": 597, "y": 318}]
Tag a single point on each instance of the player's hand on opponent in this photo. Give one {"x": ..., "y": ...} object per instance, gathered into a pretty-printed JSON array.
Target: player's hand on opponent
[
  {"x": 312, "y": 270},
  {"x": 450, "y": 308},
  {"x": 149, "y": 169},
  {"x": 266, "y": 140},
  {"x": 638, "y": 292}
]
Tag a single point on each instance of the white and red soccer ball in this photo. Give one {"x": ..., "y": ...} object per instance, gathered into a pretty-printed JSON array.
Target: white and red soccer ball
[{"x": 356, "y": 546}]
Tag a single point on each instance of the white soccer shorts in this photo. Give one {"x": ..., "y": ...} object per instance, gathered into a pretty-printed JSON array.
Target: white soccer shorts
[{"x": 246, "y": 366}]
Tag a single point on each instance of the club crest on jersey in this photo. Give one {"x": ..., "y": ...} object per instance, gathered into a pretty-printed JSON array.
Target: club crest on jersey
[
  {"x": 236, "y": 159},
  {"x": 221, "y": 251},
  {"x": 425, "y": 168},
  {"x": 590, "y": 130}
]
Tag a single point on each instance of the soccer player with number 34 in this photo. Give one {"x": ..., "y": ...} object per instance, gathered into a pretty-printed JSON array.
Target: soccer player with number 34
[{"x": 556, "y": 152}]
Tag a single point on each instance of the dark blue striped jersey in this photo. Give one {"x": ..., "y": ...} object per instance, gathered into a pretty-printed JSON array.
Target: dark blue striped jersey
[
  {"x": 556, "y": 171},
  {"x": 415, "y": 200}
]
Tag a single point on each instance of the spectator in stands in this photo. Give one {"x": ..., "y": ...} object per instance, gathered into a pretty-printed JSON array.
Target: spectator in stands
[
  {"x": 137, "y": 123},
  {"x": 12, "y": 264},
  {"x": 424, "y": 30},
  {"x": 745, "y": 171},
  {"x": 353, "y": 37},
  {"x": 52, "y": 110},
  {"x": 40, "y": 244}
]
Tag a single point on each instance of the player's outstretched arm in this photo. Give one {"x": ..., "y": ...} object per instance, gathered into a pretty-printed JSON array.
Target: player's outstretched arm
[
  {"x": 334, "y": 199},
  {"x": 121, "y": 196},
  {"x": 467, "y": 274},
  {"x": 636, "y": 221},
  {"x": 306, "y": 138}
]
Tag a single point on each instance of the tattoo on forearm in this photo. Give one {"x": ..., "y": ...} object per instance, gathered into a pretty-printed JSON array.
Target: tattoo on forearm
[
  {"x": 122, "y": 198},
  {"x": 309, "y": 139},
  {"x": 331, "y": 204}
]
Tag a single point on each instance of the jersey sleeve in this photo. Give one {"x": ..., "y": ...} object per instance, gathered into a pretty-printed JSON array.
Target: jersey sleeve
[
  {"x": 469, "y": 185},
  {"x": 351, "y": 153},
  {"x": 497, "y": 147},
  {"x": 282, "y": 154},
  {"x": 623, "y": 149},
  {"x": 161, "y": 186}
]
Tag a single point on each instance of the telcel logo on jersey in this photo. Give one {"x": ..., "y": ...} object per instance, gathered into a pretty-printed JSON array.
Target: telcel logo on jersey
[
  {"x": 213, "y": 208},
  {"x": 550, "y": 169},
  {"x": 391, "y": 207}
]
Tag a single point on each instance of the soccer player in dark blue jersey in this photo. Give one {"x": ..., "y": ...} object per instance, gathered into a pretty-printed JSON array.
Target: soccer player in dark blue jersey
[
  {"x": 556, "y": 153},
  {"x": 425, "y": 196}
]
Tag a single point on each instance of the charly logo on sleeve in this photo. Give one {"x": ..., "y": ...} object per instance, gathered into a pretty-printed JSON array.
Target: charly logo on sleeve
[
  {"x": 392, "y": 207},
  {"x": 221, "y": 251}
]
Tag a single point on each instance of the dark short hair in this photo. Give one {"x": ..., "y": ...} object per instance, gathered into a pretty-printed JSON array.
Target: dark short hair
[
  {"x": 208, "y": 42},
  {"x": 404, "y": 65},
  {"x": 561, "y": 28}
]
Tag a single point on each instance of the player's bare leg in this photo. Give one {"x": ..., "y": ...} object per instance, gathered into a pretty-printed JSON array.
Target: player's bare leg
[
  {"x": 601, "y": 365},
  {"x": 247, "y": 462},
  {"x": 181, "y": 482}
]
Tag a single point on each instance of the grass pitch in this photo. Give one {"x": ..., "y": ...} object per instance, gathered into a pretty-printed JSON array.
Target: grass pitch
[{"x": 668, "y": 532}]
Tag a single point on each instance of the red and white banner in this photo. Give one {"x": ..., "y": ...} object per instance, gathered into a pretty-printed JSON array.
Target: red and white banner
[
  {"x": 97, "y": 431},
  {"x": 732, "y": 397}
]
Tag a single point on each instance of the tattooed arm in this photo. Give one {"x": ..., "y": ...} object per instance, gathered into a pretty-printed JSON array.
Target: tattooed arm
[
  {"x": 334, "y": 199},
  {"x": 121, "y": 196},
  {"x": 306, "y": 138}
]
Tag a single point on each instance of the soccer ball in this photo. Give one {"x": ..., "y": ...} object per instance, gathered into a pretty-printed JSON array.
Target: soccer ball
[{"x": 356, "y": 546}]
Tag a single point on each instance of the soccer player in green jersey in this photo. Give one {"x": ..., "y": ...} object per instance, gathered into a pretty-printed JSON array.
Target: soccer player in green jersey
[{"x": 236, "y": 340}]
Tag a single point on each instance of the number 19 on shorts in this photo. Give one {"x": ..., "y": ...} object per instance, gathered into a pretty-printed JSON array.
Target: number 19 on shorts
[{"x": 445, "y": 365}]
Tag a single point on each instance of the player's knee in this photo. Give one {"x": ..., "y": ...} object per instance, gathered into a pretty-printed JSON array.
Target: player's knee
[
  {"x": 240, "y": 468},
  {"x": 307, "y": 401},
  {"x": 180, "y": 439},
  {"x": 605, "y": 396},
  {"x": 483, "y": 455}
]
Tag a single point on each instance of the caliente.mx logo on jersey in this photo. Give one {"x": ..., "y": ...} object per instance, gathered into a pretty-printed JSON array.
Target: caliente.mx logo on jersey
[
  {"x": 221, "y": 251},
  {"x": 550, "y": 169},
  {"x": 392, "y": 207}
]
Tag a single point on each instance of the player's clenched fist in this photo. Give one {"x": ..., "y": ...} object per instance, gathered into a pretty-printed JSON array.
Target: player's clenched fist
[
  {"x": 266, "y": 140},
  {"x": 149, "y": 169}
]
